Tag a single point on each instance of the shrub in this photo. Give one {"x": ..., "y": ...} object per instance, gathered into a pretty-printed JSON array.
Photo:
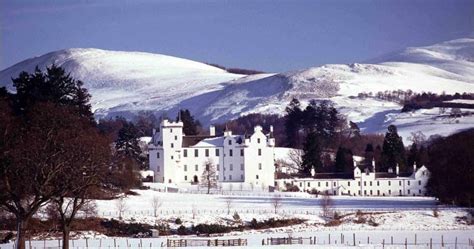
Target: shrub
[
  {"x": 435, "y": 212},
  {"x": 178, "y": 221},
  {"x": 211, "y": 228},
  {"x": 236, "y": 217},
  {"x": 291, "y": 188},
  {"x": 182, "y": 230}
]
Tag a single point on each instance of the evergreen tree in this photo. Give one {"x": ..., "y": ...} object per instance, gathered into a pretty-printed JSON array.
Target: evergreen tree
[
  {"x": 393, "y": 150},
  {"x": 127, "y": 142},
  {"x": 369, "y": 154},
  {"x": 323, "y": 119},
  {"x": 190, "y": 125},
  {"x": 54, "y": 86},
  {"x": 312, "y": 154},
  {"x": 293, "y": 123},
  {"x": 344, "y": 161},
  {"x": 412, "y": 155}
]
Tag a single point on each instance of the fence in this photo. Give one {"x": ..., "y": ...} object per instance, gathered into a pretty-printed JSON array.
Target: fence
[
  {"x": 389, "y": 244},
  {"x": 205, "y": 242},
  {"x": 332, "y": 240}
]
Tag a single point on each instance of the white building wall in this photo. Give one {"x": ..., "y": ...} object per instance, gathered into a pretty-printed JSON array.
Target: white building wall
[
  {"x": 236, "y": 162},
  {"x": 364, "y": 185}
]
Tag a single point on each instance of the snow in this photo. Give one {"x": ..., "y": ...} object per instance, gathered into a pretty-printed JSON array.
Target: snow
[{"x": 123, "y": 83}]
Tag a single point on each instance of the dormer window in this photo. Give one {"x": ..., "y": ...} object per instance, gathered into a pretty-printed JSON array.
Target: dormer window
[
  {"x": 172, "y": 145},
  {"x": 171, "y": 130},
  {"x": 258, "y": 140},
  {"x": 230, "y": 142},
  {"x": 175, "y": 137}
]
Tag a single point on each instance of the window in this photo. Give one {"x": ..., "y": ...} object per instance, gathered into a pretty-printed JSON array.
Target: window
[
  {"x": 378, "y": 192},
  {"x": 259, "y": 152},
  {"x": 389, "y": 183},
  {"x": 365, "y": 192},
  {"x": 365, "y": 183},
  {"x": 185, "y": 153},
  {"x": 348, "y": 183},
  {"x": 185, "y": 178},
  {"x": 230, "y": 152},
  {"x": 196, "y": 167},
  {"x": 359, "y": 192},
  {"x": 158, "y": 168},
  {"x": 171, "y": 157},
  {"x": 157, "y": 154},
  {"x": 348, "y": 192},
  {"x": 301, "y": 184},
  {"x": 230, "y": 142},
  {"x": 206, "y": 152},
  {"x": 172, "y": 145},
  {"x": 334, "y": 192},
  {"x": 241, "y": 166},
  {"x": 370, "y": 192},
  {"x": 309, "y": 184},
  {"x": 258, "y": 140},
  {"x": 419, "y": 183},
  {"x": 230, "y": 177},
  {"x": 399, "y": 183},
  {"x": 260, "y": 166},
  {"x": 175, "y": 137},
  {"x": 378, "y": 183},
  {"x": 400, "y": 192},
  {"x": 358, "y": 183},
  {"x": 408, "y": 191},
  {"x": 419, "y": 191},
  {"x": 185, "y": 167},
  {"x": 389, "y": 192},
  {"x": 370, "y": 183},
  {"x": 217, "y": 152},
  {"x": 327, "y": 184},
  {"x": 319, "y": 184},
  {"x": 218, "y": 167},
  {"x": 256, "y": 177},
  {"x": 241, "y": 152},
  {"x": 408, "y": 182},
  {"x": 231, "y": 167},
  {"x": 196, "y": 153},
  {"x": 334, "y": 183},
  {"x": 171, "y": 130}
]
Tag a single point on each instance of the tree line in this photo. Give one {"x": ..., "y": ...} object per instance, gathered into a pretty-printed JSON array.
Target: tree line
[{"x": 52, "y": 152}]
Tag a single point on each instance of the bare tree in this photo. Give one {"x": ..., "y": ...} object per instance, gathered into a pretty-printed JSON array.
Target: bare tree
[
  {"x": 326, "y": 204},
  {"x": 37, "y": 156},
  {"x": 417, "y": 137},
  {"x": 156, "y": 203},
  {"x": 228, "y": 204},
  {"x": 209, "y": 176},
  {"x": 276, "y": 203},
  {"x": 194, "y": 210},
  {"x": 296, "y": 158},
  {"x": 121, "y": 206}
]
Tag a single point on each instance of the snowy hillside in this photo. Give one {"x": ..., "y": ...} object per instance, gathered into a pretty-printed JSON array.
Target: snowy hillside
[
  {"x": 129, "y": 81},
  {"x": 126, "y": 82}
]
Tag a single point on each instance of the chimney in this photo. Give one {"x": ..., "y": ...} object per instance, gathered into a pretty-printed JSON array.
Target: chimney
[
  {"x": 397, "y": 169},
  {"x": 414, "y": 167},
  {"x": 373, "y": 164},
  {"x": 212, "y": 130},
  {"x": 271, "y": 128}
]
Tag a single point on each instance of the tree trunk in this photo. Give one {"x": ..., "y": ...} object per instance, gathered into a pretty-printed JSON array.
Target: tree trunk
[
  {"x": 20, "y": 233},
  {"x": 66, "y": 231}
]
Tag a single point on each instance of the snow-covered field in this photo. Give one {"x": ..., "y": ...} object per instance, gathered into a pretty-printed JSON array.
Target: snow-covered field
[
  {"x": 390, "y": 213},
  {"x": 383, "y": 219}
]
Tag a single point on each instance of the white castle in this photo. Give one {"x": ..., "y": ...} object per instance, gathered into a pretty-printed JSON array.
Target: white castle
[{"x": 178, "y": 158}]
